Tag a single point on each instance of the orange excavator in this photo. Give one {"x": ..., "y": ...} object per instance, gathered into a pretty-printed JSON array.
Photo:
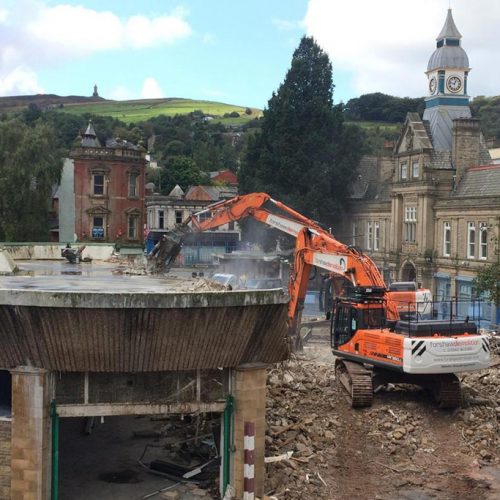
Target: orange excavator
[{"x": 372, "y": 344}]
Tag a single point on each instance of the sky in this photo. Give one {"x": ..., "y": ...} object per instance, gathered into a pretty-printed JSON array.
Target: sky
[{"x": 234, "y": 51}]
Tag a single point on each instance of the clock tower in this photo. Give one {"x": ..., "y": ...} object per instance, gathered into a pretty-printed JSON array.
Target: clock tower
[{"x": 447, "y": 97}]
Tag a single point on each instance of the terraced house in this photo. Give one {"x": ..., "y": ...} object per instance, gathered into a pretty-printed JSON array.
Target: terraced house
[{"x": 431, "y": 211}]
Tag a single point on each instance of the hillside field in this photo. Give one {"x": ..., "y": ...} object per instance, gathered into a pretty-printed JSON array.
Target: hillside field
[{"x": 144, "y": 109}]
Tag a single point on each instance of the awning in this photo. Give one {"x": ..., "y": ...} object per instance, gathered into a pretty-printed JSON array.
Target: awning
[{"x": 442, "y": 276}]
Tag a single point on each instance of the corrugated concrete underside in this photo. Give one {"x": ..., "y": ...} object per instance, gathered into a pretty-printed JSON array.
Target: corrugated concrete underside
[{"x": 73, "y": 339}]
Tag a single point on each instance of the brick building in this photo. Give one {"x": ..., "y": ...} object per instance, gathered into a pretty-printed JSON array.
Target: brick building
[
  {"x": 101, "y": 197},
  {"x": 430, "y": 212}
]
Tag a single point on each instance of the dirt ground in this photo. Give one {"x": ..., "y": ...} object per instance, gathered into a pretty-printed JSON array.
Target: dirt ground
[{"x": 403, "y": 447}]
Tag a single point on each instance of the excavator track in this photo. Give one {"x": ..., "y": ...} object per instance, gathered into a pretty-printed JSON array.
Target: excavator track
[
  {"x": 447, "y": 391},
  {"x": 356, "y": 380}
]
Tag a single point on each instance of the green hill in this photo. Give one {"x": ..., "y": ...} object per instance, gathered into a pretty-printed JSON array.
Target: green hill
[
  {"x": 143, "y": 109},
  {"x": 132, "y": 111}
]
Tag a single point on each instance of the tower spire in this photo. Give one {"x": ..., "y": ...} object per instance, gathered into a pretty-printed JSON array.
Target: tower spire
[{"x": 449, "y": 29}]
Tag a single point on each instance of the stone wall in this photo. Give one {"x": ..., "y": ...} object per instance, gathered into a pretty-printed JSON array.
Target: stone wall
[
  {"x": 5, "y": 434},
  {"x": 53, "y": 251}
]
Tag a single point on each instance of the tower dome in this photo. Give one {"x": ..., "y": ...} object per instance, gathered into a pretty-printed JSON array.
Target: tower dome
[
  {"x": 448, "y": 54},
  {"x": 448, "y": 57}
]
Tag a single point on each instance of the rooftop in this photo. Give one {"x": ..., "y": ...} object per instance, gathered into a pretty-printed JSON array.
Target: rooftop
[{"x": 93, "y": 317}]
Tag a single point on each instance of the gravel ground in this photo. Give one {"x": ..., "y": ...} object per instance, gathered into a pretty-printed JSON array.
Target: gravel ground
[{"x": 402, "y": 447}]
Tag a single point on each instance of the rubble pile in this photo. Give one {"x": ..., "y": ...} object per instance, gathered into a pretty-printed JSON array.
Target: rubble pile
[
  {"x": 480, "y": 416},
  {"x": 315, "y": 442},
  {"x": 400, "y": 430},
  {"x": 301, "y": 419}
]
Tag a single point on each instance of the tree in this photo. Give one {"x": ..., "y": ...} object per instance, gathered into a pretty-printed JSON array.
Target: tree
[
  {"x": 304, "y": 155},
  {"x": 487, "y": 282},
  {"x": 180, "y": 170},
  {"x": 30, "y": 168},
  {"x": 382, "y": 107}
]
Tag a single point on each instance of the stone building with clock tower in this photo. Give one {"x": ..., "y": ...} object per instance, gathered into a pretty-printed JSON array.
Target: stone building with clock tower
[{"x": 430, "y": 212}]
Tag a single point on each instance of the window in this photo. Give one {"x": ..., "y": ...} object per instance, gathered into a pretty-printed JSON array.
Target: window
[
  {"x": 203, "y": 216},
  {"x": 178, "y": 216},
  {"x": 354, "y": 235},
  {"x": 410, "y": 232},
  {"x": 369, "y": 235},
  {"x": 471, "y": 240},
  {"x": 98, "y": 184},
  {"x": 376, "y": 236},
  {"x": 404, "y": 171},
  {"x": 5, "y": 393},
  {"x": 483, "y": 240},
  {"x": 161, "y": 219},
  {"x": 447, "y": 239},
  {"x": 98, "y": 227},
  {"x": 230, "y": 226},
  {"x": 133, "y": 222},
  {"x": 415, "y": 170},
  {"x": 132, "y": 185}
]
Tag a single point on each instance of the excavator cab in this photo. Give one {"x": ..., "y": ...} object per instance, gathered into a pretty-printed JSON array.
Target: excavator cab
[
  {"x": 363, "y": 310},
  {"x": 349, "y": 317}
]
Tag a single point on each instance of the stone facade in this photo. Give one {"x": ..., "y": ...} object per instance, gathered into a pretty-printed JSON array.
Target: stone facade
[
  {"x": 31, "y": 436},
  {"x": 430, "y": 214},
  {"x": 5, "y": 430}
]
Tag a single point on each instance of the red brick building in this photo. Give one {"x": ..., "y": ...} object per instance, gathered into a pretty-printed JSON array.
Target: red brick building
[{"x": 108, "y": 189}]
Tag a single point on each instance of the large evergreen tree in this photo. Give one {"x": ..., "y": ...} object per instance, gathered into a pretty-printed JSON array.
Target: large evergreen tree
[
  {"x": 304, "y": 155},
  {"x": 30, "y": 168}
]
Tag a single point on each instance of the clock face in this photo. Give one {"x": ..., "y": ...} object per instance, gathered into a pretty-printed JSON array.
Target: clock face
[
  {"x": 432, "y": 85},
  {"x": 454, "y": 84}
]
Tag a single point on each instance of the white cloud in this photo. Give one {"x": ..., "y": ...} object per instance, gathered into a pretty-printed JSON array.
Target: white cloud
[
  {"x": 35, "y": 35},
  {"x": 141, "y": 32},
  {"x": 21, "y": 80},
  {"x": 84, "y": 31},
  {"x": 76, "y": 29},
  {"x": 151, "y": 89},
  {"x": 4, "y": 14},
  {"x": 385, "y": 45}
]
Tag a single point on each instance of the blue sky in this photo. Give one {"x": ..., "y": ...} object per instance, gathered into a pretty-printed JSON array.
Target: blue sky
[{"x": 234, "y": 51}]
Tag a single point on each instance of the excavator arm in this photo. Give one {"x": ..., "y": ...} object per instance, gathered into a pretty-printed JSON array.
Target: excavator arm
[
  {"x": 314, "y": 246},
  {"x": 255, "y": 205},
  {"x": 259, "y": 206}
]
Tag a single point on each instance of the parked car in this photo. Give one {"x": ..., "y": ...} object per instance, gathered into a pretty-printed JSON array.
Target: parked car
[
  {"x": 263, "y": 283},
  {"x": 228, "y": 280}
]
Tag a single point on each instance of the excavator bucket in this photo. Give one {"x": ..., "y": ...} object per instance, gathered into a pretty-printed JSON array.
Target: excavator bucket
[{"x": 167, "y": 249}]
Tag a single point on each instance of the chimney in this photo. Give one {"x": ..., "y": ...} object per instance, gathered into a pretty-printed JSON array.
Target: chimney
[{"x": 465, "y": 145}]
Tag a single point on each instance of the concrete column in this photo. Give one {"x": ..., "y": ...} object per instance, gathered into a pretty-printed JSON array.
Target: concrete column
[
  {"x": 249, "y": 392},
  {"x": 32, "y": 391}
]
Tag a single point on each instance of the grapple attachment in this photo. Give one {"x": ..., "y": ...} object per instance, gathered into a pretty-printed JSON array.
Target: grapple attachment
[{"x": 167, "y": 249}]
